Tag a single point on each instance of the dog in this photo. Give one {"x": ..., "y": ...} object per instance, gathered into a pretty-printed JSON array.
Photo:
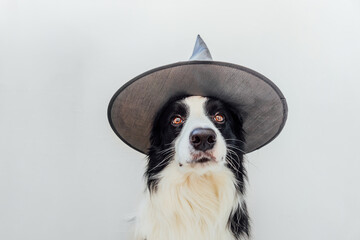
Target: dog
[{"x": 195, "y": 175}]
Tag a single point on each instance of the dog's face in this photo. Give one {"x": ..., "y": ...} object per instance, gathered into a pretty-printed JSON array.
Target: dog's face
[{"x": 197, "y": 133}]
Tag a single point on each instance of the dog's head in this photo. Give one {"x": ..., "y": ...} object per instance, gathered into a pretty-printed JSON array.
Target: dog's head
[{"x": 199, "y": 134}]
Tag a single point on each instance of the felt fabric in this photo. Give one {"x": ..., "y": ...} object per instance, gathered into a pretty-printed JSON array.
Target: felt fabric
[{"x": 133, "y": 107}]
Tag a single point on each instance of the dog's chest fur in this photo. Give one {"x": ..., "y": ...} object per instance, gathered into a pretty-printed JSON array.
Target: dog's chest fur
[{"x": 189, "y": 206}]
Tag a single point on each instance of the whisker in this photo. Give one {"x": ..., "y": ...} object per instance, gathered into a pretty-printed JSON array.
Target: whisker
[
  {"x": 230, "y": 153},
  {"x": 231, "y": 164},
  {"x": 234, "y": 153},
  {"x": 236, "y": 148},
  {"x": 245, "y": 157},
  {"x": 166, "y": 150},
  {"x": 172, "y": 154}
]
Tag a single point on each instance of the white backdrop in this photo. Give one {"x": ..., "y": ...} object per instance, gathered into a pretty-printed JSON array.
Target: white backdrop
[{"x": 65, "y": 175}]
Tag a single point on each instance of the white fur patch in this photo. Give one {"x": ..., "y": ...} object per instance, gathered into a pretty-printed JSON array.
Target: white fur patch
[
  {"x": 191, "y": 202},
  {"x": 189, "y": 206}
]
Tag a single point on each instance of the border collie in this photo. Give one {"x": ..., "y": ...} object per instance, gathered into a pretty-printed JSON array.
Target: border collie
[{"x": 195, "y": 174}]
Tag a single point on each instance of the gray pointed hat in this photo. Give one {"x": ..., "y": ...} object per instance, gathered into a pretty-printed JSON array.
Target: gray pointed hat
[{"x": 263, "y": 107}]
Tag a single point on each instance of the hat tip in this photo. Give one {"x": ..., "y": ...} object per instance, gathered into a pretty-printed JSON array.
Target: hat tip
[{"x": 201, "y": 52}]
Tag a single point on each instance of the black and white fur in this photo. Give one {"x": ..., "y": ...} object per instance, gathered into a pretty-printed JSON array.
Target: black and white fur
[{"x": 195, "y": 193}]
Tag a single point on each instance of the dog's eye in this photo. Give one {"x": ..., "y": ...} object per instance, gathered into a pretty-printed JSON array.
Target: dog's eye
[
  {"x": 177, "y": 120},
  {"x": 219, "y": 118}
]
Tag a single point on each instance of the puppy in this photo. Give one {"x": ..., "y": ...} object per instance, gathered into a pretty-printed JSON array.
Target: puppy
[{"x": 195, "y": 174}]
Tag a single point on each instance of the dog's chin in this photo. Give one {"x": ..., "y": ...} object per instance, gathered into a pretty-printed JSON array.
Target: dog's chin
[{"x": 202, "y": 160}]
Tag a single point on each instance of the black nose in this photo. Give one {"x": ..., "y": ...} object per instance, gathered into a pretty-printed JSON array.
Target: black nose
[{"x": 203, "y": 139}]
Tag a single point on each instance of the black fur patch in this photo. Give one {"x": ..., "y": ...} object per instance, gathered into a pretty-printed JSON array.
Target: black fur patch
[
  {"x": 239, "y": 222},
  {"x": 162, "y": 136}
]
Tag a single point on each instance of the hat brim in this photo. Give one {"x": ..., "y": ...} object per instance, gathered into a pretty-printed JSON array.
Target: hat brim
[{"x": 263, "y": 107}]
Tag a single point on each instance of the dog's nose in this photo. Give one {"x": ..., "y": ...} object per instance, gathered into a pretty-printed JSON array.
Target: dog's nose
[{"x": 203, "y": 139}]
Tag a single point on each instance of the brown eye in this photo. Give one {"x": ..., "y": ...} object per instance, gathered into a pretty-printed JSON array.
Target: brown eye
[
  {"x": 177, "y": 121},
  {"x": 219, "y": 118}
]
